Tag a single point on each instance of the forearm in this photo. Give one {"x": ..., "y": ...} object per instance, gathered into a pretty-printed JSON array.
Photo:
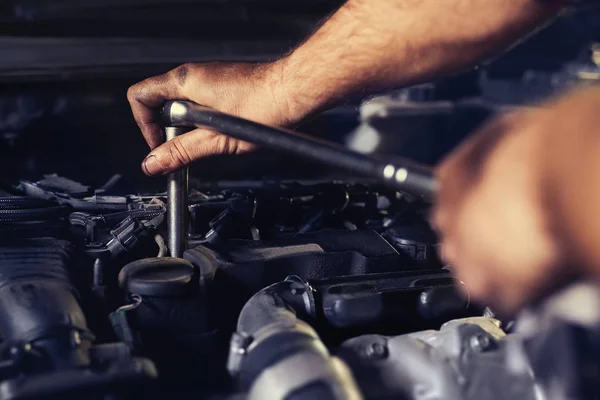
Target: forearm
[{"x": 371, "y": 45}]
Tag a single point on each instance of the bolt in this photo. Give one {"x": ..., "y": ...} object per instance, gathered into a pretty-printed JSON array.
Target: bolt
[
  {"x": 377, "y": 351},
  {"x": 480, "y": 343},
  {"x": 298, "y": 291},
  {"x": 401, "y": 175},
  {"x": 76, "y": 338}
]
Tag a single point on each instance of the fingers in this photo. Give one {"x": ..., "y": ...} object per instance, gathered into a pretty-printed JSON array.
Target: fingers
[
  {"x": 145, "y": 97},
  {"x": 466, "y": 167},
  {"x": 462, "y": 170},
  {"x": 459, "y": 176},
  {"x": 183, "y": 150}
]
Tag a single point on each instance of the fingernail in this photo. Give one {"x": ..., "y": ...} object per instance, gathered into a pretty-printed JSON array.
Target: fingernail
[{"x": 151, "y": 165}]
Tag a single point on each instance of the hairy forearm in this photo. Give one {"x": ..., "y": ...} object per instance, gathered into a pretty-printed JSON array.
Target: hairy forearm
[{"x": 371, "y": 45}]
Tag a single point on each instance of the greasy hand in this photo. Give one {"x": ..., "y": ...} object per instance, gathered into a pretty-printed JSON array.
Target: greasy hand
[
  {"x": 250, "y": 91},
  {"x": 496, "y": 227}
]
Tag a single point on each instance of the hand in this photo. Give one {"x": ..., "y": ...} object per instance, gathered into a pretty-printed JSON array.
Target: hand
[
  {"x": 497, "y": 228},
  {"x": 251, "y": 91}
]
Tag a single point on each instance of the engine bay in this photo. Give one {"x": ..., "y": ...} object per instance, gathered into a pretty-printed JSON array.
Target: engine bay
[
  {"x": 287, "y": 290},
  {"x": 352, "y": 251}
]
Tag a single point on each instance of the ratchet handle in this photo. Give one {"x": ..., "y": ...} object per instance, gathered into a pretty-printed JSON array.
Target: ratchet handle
[
  {"x": 401, "y": 174},
  {"x": 411, "y": 178}
]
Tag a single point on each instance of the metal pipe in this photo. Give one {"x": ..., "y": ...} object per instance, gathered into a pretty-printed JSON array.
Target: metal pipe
[
  {"x": 400, "y": 174},
  {"x": 177, "y": 202},
  {"x": 275, "y": 355}
]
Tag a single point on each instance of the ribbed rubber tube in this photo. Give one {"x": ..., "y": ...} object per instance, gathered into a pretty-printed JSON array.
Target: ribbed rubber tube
[
  {"x": 38, "y": 303},
  {"x": 286, "y": 358}
]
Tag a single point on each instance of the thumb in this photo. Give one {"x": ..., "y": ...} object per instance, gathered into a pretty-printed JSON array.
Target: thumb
[{"x": 182, "y": 150}]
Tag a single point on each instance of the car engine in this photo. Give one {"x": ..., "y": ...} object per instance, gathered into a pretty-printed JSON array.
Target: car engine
[
  {"x": 298, "y": 281},
  {"x": 329, "y": 290},
  {"x": 263, "y": 254}
]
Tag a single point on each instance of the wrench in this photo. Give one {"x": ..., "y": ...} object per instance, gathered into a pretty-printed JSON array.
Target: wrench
[{"x": 402, "y": 175}]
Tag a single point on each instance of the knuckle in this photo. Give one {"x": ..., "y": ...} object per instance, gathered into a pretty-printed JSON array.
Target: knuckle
[
  {"x": 182, "y": 73},
  {"x": 178, "y": 153},
  {"x": 137, "y": 92},
  {"x": 225, "y": 145},
  {"x": 131, "y": 93}
]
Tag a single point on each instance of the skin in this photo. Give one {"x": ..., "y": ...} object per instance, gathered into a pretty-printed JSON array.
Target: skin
[
  {"x": 517, "y": 202},
  {"x": 506, "y": 214}
]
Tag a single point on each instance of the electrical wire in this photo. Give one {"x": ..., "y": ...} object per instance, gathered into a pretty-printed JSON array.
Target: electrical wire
[{"x": 162, "y": 246}]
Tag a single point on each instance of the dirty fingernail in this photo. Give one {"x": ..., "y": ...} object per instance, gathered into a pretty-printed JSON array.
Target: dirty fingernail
[{"x": 151, "y": 165}]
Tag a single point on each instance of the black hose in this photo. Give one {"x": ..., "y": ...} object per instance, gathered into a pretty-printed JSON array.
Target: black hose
[
  {"x": 33, "y": 214},
  {"x": 81, "y": 218},
  {"x": 27, "y": 209},
  {"x": 20, "y": 202},
  {"x": 38, "y": 303},
  {"x": 284, "y": 348}
]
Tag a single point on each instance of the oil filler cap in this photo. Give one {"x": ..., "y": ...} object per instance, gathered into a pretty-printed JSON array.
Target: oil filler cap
[{"x": 159, "y": 277}]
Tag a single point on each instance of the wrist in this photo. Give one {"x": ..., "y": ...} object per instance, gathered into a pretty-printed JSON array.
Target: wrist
[
  {"x": 298, "y": 93},
  {"x": 265, "y": 95},
  {"x": 287, "y": 93}
]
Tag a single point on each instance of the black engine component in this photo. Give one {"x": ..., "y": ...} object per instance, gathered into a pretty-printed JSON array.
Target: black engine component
[
  {"x": 38, "y": 303},
  {"x": 21, "y": 209},
  {"x": 428, "y": 298},
  {"x": 255, "y": 264},
  {"x": 418, "y": 242},
  {"x": 159, "y": 277},
  {"x": 326, "y": 285},
  {"x": 232, "y": 272},
  {"x": 170, "y": 317},
  {"x": 47, "y": 347},
  {"x": 22, "y": 216}
]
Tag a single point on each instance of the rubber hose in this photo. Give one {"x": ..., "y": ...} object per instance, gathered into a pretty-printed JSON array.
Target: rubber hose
[
  {"x": 81, "y": 218},
  {"x": 38, "y": 303},
  {"x": 34, "y": 214},
  {"x": 286, "y": 350},
  {"x": 20, "y": 202}
]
